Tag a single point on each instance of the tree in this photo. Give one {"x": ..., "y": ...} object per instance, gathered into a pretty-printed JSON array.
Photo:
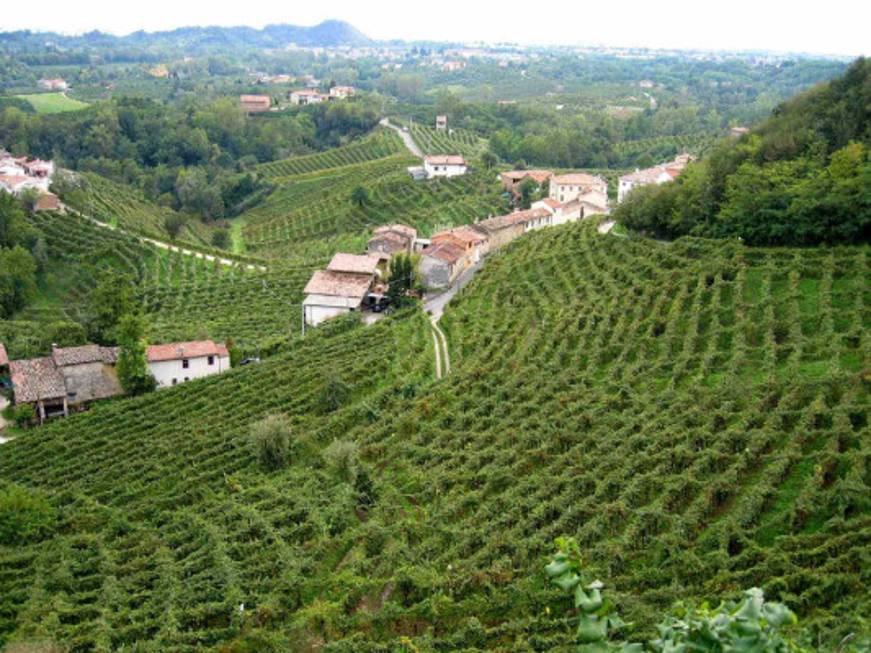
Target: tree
[
  {"x": 360, "y": 196},
  {"x": 173, "y": 224},
  {"x": 526, "y": 190},
  {"x": 489, "y": 160},
  {"x": 272, "y": 441},
  {"x": 17, "y": 279},
  {"x": 111, "y": 299},
  {"x": 132, "y": 365},
  {"x": 29, "y": 197},
  {"x": 67, "y": 334},
  {"x": 402, "y": 276},
  {"x": 221, "y": 238}
]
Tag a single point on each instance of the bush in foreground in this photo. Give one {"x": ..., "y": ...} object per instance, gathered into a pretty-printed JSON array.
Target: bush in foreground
[
  {"x": 25, "y": 516},
  {"x": 272, "y": 441}
]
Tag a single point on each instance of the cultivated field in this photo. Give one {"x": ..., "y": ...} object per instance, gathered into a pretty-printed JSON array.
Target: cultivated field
[{"x": 52, "y": 102}]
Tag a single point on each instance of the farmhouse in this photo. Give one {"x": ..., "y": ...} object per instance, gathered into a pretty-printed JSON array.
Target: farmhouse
[
  {"x": 177, "y": 362},
  {"x": 473, "y": 243},
  {"x": 255, "y": 103},
  {"x": 650, "y": 176},
  {"x": 453, "y": 66},
  {"x": 565, "y": 188},
  {"x": 53, "y": 84},
  {"x": 441, "y": 122},
  {"x": 341, "y": 288},
  {"x": 738, "y": 132},
  {"x": 390, "y": 239},
  {"x": 502, "y": 229},
  {"x": 342, "y": 92},
  {"x": 70, "y": 377},
  {"x": 512, "y": 179},
  {"x": 440, "y": 263},
  {"x": 444, "y": 165},
  {"x": 306, "y": 96}
]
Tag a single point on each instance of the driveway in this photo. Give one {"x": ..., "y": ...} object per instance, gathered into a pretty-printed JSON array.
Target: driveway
[
  {"x": 435, "y": 305},
  {"x": 405, "y": 136}
]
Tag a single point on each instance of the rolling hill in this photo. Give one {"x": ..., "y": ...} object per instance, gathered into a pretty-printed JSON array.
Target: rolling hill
[{"x": 694, "y": 413}]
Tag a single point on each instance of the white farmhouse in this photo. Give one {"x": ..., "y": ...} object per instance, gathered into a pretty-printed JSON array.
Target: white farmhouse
[
  {"x": 307, "y": 96},
  {"x": 178, "y": 362},
  {"x": 339, "y": 289},
  {"x": 570, "y": 186},
  {"x": 444, "y": 165}
]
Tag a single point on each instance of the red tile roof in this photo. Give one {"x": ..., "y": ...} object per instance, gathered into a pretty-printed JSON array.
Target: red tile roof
[
  {"x": 47, "y": 202},
  {"x": 339, "y": 284},
  {"x": 356, "y": 263},
  {"x": 539, "y": 176},
  {"x": 445, "y": 160},
  {"x": 405, "y": 230},
  {"x": 464, "y": 234},
  {"x": 63, "y": 356},
  {"x": 179, "y": 350},
  {"x": 447, "y": 252},
  {"x": 35, "y": 379},
  {"x": 578, "y": 179},
  {"x": 511, "y": 219}
]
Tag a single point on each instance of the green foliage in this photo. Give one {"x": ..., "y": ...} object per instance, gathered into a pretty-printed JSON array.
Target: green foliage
[
  {"x": 751, "y": 625},
  {"x": 360, "y": 196},
  {"x": 343, "y": 457},
  {"x": 22, "y": 414},
  {"x": 272, "y": 440},
  {"x": 25, "y": 516},
  {"x": 132, "y": 365},
  {"x": 17, "y": 280},
  {"x": 402, "y": 276},
  {"x": 797, "y": 180},
  {"x": 173, "y": 224},
  {"x": 107, "y": 303},
  {"x": 221, "y": 238},
  {"x": 67, "y": 334}
]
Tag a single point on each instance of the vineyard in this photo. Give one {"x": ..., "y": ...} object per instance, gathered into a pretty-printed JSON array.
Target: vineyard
[
  {"x": 311, "y": 215},
  {"x": 662, "y": 148},
  {"x": 453, "y": 141},
  {"x": 183, "y": 297},
  {"x": 694, "y": 414},
  {"x": 124, "y": 206}
]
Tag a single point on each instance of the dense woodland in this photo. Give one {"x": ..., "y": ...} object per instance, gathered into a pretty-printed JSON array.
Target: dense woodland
[{"x": 803, "y": 177}]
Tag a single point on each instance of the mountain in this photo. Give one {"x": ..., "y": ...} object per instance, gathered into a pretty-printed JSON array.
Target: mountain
[
  {"x": 802, "y": 177},
  {"x": 326, "y": 34}
]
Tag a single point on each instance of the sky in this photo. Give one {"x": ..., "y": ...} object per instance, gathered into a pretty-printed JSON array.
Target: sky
[{"x": 834, "y": 27}]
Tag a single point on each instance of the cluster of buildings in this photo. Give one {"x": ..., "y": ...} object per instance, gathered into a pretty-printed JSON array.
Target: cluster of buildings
[
  {"x": 73, "y": 377},
  {"x": 53, "y": 84},
  {"x": 301, "y": 97},
  {"x": 20, "y": 173},
  {"x": 652, "y": 176}
]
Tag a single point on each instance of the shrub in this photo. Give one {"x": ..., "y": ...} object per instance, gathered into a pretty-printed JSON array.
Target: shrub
[
  {"x": 343, "y": 457},
  {"x": 25, "y": 516},
  {"x": 22, "y": 414},
  {"x": 272, "y": 440}
]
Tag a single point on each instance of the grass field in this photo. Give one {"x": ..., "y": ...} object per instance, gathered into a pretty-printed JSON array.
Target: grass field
[
  {"x": 52, "y": 102},
  {"x": 695, "y": 414}
]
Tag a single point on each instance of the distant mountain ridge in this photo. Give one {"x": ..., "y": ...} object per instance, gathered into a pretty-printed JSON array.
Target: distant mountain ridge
[{"x": 325, "y": 34}]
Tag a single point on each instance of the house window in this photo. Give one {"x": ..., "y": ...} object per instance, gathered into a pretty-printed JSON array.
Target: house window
[
  {"x": 211, "y": 360},
  {"x": 175, "y": 381},
  {"x": 187, "y": 378},
  {"x": 185, "y": 363}
]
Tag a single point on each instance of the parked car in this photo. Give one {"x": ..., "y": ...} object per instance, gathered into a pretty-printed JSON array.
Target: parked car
[{"x": 249, "y": 361}]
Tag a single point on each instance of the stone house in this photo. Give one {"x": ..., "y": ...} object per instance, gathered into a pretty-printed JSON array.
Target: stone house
[{"x": 441, "y": 263}]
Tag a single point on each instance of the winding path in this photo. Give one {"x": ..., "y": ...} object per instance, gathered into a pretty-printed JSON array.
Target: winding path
[
  {"x": 405, "y": 136},
  {"x": 172, "y": 248}
]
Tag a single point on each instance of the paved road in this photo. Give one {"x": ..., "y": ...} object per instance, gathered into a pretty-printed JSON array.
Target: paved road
[
  {"x": 435, "y": 306},
  {"x": 406, "y": 138}
]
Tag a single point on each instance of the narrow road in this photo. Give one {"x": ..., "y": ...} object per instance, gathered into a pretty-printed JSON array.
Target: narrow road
[
  {"x": 173, "y": 248},
  {"x": 435, "y": 308},
  {"x": 405, "y": 136}
]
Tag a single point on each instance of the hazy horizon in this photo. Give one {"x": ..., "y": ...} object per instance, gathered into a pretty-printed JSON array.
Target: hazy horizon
[{"x": 743, "y": 26}]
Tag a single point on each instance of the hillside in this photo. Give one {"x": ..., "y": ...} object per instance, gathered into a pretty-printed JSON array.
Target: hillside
[
  {"x": 196, "y": 39},
  {"x": 310, "y": 215},
  {"x": 694, "y": 413},
  {"x": 802, "y": 177}
]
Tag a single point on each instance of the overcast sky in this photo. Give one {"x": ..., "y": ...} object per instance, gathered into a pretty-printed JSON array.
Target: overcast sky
[{"x": 832, "y": 27}]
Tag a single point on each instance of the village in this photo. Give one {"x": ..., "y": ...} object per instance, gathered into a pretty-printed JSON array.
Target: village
[
  {"x": 71, "y": 378},
  {"x": 357, "y": 281}
]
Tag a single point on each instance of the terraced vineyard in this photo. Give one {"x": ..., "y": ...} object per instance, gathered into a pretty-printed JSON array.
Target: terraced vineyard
[
  {"x": 183, "y": 297},
  {"x": 695, "y": 144},
  {"x": 311, "y": 215},
  {"x": 380, "y": 144},
  {"x": 123, "y": 206},
  {"x": 696, "y": 414},
  {"x": 456, "y": 141}
]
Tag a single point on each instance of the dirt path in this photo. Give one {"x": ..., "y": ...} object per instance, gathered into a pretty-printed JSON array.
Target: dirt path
[
  {"x": 174, "y": 248},
  {"x": 405, "y": 136},
  {"x": 443, "y": 358},
  {"x": 605, "y": 227}
]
